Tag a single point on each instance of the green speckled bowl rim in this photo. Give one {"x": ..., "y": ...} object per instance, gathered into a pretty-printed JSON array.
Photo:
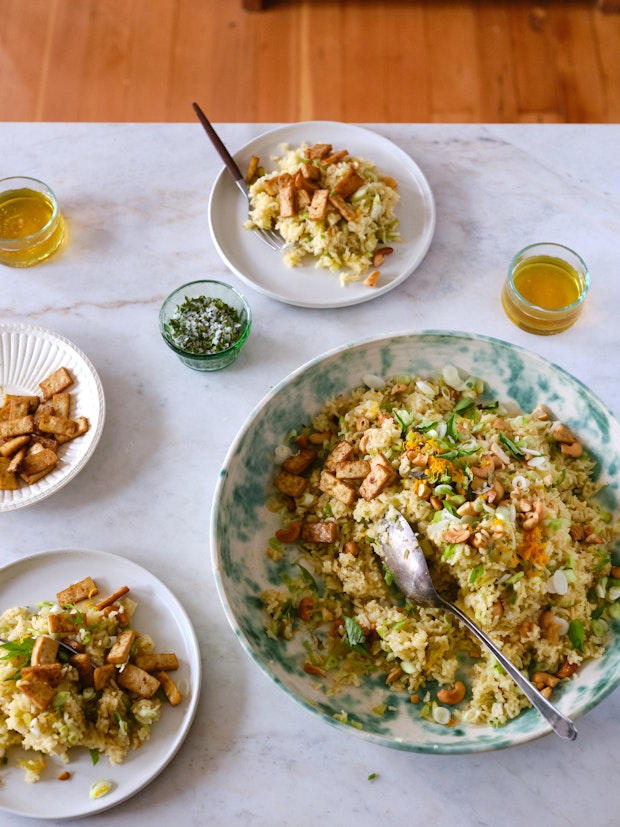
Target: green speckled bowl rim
[{"x": 241, "y": 525}]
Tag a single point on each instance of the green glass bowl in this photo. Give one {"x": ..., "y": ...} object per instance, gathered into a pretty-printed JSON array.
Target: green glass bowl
[{"x": 210, "y": 290}]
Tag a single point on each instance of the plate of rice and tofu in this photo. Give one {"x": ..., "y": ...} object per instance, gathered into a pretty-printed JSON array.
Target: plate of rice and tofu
[
  {"x": 99, "y": 681},
  {"x": 355, "y": 212}
]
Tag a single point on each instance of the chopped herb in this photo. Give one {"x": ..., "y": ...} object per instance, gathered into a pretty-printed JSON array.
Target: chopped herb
[
  {"x": 355, "y": 636},
  {"x": 510, "y": 445},
  {"x": 576, "y": 634},
  {"x": 476, "y": 573},
  {"x": 94, "y": 756},
  {"x": 372, "y": 776},
  {"x": 203, "y": 325}
]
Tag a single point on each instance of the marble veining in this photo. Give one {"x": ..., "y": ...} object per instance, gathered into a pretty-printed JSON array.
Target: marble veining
[{"x": 135, "y": 198}]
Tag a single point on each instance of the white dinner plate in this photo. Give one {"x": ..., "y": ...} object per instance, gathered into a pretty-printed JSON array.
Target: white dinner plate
[
  {"x": 29, "y": 354},
  {"x": 308, "y": 286},
  {"x": 158, "y": 614}
]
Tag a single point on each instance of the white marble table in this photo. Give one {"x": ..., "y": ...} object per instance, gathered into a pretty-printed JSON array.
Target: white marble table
[{"x": 135, "y": 197}]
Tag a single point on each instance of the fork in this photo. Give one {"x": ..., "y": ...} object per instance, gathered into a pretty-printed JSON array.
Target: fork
[{"x": 271, "y": 238}]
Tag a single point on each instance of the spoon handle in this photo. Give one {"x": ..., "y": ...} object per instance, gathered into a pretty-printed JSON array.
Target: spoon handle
[{"x": 562, "y": 725}]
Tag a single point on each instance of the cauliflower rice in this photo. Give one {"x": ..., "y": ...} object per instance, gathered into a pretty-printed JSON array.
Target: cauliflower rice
[
  {"x": 340, "y": 245},
  {"x": 110, "y": 721},
  {"x": 503, "y": 505}
]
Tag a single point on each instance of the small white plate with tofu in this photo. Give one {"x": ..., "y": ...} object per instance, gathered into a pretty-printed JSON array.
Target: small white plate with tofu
[
  {"x": 84, "y": 787},
  {"x": 307, "y": 285},
  {"x": 52, "y": 411}
]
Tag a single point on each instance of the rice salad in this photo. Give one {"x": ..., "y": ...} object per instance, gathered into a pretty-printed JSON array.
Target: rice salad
[
  {"x": 50, "y": 704},
  {"x": 502, "y": 503},
  {"x": 353, "y": 227}
]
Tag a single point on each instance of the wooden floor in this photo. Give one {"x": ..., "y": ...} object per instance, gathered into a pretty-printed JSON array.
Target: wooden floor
[{"x": 349, "y": 60}]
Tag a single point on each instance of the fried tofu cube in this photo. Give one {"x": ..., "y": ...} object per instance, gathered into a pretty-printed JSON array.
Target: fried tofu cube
[
  {"x": 350, "y": 182},
  {"x": 121, "y": 650},
  {"x": 37, "y": 464},
  {"x": 17, "y": 461},
  {"x": 170, "y": 688},
  {"x": 49, "y": 673},
  {"x": 56, "y": 382},
  {"x": 319, "y": 205},
  {"x": 84, "y": 668},
  {"x": 310, "y": 172},
  {"x": 77, "y": 591},
  {"x": 44, "y": 651},
  {"x": 136, "y": 680},
  {"x": 355, "y": 469},
  {"x": 335, "y": 157},
  {"x": 17, "y": 427},
  {"x": 157, "y": 662},
  {"x": 62, "y": 623},
  {"x": 340, "y": 453},
  {"x": 61, "y": 403},
  {"x": 13, "y": 445},
  {"x": 319, "y": 532},
  {"x": 272, "y": 185},
  {"x": 58, "y": 425},
  {"x": 345, "y": 210},
  {"x": 287, "y": 201},
  {"x": 252, "y": 167},
  {"x": 102, "y": 675},
  {"x": 303, "y": 200},
  {"x": 329, "y": 484},
  {"x": 37, "y": 691},
  {"x": 318, "y": 151},
  {"x": 381, "y": 475},
  {"x": 299, "y": 462},
  {"x": 8, "y": 480},
  {"x": 291, "y": 484},
  {"x": 82, "y": 427}
]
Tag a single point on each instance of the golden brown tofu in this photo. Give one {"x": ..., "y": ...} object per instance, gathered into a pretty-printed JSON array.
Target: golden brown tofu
[
  {"x": 340, "y": 453},
  {"x": 45, "y": 650},
  {"x": 319, "y": 151},
  {"x": 103, "y": 675},
  {"x": 56, "y": 382},
  {"x": 50, "y": 673},
  {"x": 81, "y": 590},
  {"x": 8, "y": 480},
  {"x": 381, "y": 475},
  {"x": 62, "y": 623},
  {"x": 335, "y": 157},
  {"x": 82, "y": 427},
  {"x": 157, "y": 662},
  {"x": 37, "y": 465},
  {"x": 336, "y": 488},
  {"x": 17, "y": 427},
  {"x": 61, "y": 403},
  {"x": 310, "y": 172},
  {"x": 170, "y": 688},
  {"x": 287, "y": 201},
  {"x": 291, "y": 484},
  {"x": 319, "y": 532},
  {"x": 350, "y": 182},
  {"x": 84, "y": 668},
  {"x": 299, "y": 462},
  {"x": 38, "y": 692},
  {"x": 319, "y": 205},
  {"x": 121, "y": 650},
  {"x": 14, "y": 444},
  {"x": 58, "y": 425},
  {"x": 345, "y": 210},
  {"x": 355, "y": 469},
  {"x": 137, "y": 680}
]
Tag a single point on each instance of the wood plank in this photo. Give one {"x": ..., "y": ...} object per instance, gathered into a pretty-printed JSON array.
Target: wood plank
[
  {"x": 354, "y": 60},
  {"x": 453, "y": 74}
]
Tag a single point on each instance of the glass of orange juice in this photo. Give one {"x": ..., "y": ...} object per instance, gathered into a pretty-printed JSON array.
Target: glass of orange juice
[
  {"x": 545, "y": 289},
  {"x": 31, "y": 224}
]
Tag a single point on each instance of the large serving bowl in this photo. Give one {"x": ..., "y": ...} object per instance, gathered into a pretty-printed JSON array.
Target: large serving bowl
[{"x": 242, "y": 526}]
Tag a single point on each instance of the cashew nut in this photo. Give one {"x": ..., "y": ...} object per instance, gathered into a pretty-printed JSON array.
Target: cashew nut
[{"x": 452, "y": 696}]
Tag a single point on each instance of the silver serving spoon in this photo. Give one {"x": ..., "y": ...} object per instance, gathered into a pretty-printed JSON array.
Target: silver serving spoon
[{"x": 401, "y": 553}]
